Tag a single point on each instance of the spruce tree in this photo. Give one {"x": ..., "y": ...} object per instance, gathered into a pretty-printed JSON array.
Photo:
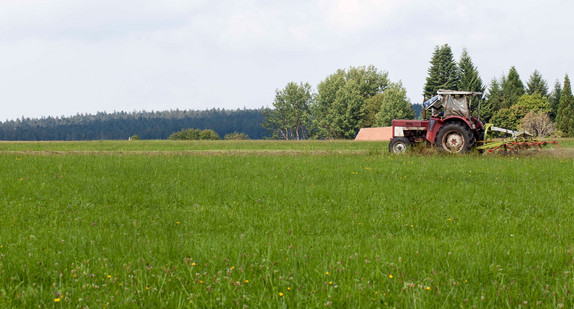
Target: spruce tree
[
  {"x": 469, "y": 79},
  {"x": 565, "y": 115},
  {"x": 512, "y": 88},
  {"x": 449, "y": 69},
  {"x": 536, "y": 84},
  {"x": 555, "y": 100},
  {"x": 493, "y": 101},
  {"x": 433, "y": 78},
  {"x": 443, "y": 72}
]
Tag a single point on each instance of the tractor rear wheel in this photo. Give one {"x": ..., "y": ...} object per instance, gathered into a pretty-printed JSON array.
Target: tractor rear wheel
[
  {"x": 454, "y": 138},
  {"x": 399, "y": 145}
]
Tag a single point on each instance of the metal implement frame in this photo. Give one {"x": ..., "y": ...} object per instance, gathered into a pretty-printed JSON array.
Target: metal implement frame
[{"x": 519, "y": 140}]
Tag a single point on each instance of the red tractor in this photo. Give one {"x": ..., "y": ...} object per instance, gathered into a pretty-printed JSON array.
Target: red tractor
[{"x": 451, "y": 127}]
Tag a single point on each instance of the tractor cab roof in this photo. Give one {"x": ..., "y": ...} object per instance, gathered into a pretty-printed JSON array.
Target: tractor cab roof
[{"x": 458, "y": 93}]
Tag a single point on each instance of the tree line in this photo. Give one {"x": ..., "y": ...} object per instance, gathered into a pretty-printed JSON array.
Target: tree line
[
  {"x": 363, "y": 96},
  {"x": 146, "y": 125}
]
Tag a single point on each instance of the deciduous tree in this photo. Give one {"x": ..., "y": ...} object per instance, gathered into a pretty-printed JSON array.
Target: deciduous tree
[
  {"x": 510, "y": 117},
  {"x": 347, "y": 111},
  {"x": 343, "y": 104},
  {"x": 394, "y": 105},
  {"x": 537, "y": 123},
  {"x": 290, "y": 117}
]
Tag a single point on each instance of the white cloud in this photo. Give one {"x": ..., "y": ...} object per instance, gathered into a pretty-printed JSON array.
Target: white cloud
[
  {"x": 351, "y": 16},
  {"x": 91, "y": 55}
]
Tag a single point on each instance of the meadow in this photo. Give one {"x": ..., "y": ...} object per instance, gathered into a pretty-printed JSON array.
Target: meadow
[{"x": 250, "y": 224}]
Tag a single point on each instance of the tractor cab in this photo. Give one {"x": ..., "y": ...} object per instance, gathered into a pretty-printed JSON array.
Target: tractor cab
[{"x": 449, "y": 103}]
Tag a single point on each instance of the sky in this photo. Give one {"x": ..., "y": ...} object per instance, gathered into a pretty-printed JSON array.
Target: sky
[{"x": 64, "y": 57}]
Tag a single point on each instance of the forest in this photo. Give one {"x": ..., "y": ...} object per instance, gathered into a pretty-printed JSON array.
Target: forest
[{"x": 123, "y": 125}]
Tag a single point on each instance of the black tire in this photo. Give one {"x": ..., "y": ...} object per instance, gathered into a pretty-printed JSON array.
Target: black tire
[
  {"x": 479, "y": 137},
  {"x": 454, "y": 138},
  {"x": 399, "y": 145}
]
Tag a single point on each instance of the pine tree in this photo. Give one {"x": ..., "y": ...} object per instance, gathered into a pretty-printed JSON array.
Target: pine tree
[
  {"x": 512, "y": 88},
  {"x": 555, "y": 100},
  {"x": 565, "y": 115},
  {"x": 536, "y": 84},
  {"x": 443, "y": 72}
]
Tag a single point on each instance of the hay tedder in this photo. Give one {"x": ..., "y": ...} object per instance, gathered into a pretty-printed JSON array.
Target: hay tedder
[{"x": 452, "y": 128}]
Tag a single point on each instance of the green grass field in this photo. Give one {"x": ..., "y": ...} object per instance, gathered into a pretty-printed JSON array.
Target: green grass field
[{"x": 282, "y": 224}]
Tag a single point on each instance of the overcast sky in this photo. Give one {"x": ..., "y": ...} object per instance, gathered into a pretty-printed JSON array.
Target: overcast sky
[{"x": 63, "y": 57}]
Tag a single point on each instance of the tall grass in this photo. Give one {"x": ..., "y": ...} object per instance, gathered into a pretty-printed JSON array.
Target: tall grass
[
  {"x": 193, "y": 146},
  {"x": 336, "y": 228}
]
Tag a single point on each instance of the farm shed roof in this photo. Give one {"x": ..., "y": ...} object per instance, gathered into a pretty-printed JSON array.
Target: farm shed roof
[{"x": 375, "y": 134}]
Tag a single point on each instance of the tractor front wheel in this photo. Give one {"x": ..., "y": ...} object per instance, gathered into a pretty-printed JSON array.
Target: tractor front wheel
[
  {"x": 399, "y": 145},
  {"x": 454, "y": 138}
]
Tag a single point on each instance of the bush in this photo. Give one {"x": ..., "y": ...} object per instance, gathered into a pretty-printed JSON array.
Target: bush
[
  {"x": 209, "y": 135},
  {"x": 510, "y": 118},
  {"x": 538, "y": 124},
  {"x": 134, "y": 138},
  {"x": 236, "y": 136},
  {"x": 194, "y": 134}
]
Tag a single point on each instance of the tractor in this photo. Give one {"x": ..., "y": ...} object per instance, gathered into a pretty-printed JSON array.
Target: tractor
[{"x": 452, "y": 128}]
